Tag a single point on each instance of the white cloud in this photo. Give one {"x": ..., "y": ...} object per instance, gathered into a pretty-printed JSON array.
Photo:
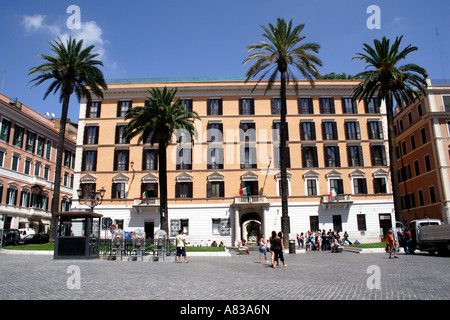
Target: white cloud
[{"x": 89, "y": 32}]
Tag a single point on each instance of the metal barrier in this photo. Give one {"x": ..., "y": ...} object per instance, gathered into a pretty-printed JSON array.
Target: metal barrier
[{"x": 151, "y": 248}]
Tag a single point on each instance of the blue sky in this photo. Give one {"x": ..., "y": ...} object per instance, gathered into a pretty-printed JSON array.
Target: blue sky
[{"x": 202, "y": 38}]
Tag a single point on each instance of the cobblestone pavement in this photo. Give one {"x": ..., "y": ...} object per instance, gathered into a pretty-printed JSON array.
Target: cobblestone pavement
[{"x": 308, "y": 276}]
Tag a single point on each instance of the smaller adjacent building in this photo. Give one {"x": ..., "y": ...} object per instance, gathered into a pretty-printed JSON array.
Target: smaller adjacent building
[
  {"x": 423, "y": 154},
  {"x": 28, "y": 143}
]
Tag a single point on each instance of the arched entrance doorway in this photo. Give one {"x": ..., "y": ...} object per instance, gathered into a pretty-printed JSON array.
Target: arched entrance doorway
[{"x": 251, "y": 227}]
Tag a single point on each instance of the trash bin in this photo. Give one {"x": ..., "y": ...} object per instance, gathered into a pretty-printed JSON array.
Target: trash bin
[{"x": 291, "y": 246}]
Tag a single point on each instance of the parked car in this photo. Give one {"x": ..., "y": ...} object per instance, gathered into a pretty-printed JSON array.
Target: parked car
[
  {"x": 35, "y": 239},
  {"x": 11, "y": 237}
]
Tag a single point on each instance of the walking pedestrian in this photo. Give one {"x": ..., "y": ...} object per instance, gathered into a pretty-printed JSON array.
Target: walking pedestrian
[
  {"x": 262, "y": 249},
  {"x": 181, "y": 246},
  {"x": 278, "y": 249}
]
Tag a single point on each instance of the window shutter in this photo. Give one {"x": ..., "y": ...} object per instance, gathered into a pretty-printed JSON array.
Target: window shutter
[
  {"x": 222, "y": 188},
  {"x": 252, "y": 106},
  {"x": 338, "y": 156},
  {"x": 315, "y": 156},
  {"x": 304, "y": 157},
  {"x": 190, "y": 189},
  {"x": 220, "y": 107},
  {"x": 313, "y": 131},
  {"x": 334, "y": 126},
  {"x": 208, "y": 189},
  {"x": 177, "y": 190},
  {"x": 361, "y": 156}
]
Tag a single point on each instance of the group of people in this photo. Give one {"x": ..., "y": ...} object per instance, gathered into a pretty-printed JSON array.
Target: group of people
[
  {"x": 322, "y": 241},
  {"x": 275, "y": 246}
]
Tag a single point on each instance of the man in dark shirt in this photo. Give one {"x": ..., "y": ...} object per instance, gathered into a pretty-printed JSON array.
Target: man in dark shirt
[{"x": 408, "y": 239}]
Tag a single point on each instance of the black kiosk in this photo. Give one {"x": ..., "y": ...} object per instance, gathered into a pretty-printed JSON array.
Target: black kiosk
[{"x": 78, "y": 235}]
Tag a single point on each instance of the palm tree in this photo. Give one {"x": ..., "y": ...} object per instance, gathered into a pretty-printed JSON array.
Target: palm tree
[
  {"x": 156, "y": 122},
  {"x": 283, "y": 49},
  {"x": 387, "y": 82},
  {"x": 71, "y": 69}
]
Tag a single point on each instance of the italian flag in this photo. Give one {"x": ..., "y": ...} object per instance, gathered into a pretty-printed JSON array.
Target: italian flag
[
  {"x": 244, "y": 191},
  {"x": 333, "y": 193},
  {"x": 144, "y": 195}
]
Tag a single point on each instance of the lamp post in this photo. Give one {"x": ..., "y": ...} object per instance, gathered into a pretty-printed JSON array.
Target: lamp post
[{"x": 94, "y": 199}]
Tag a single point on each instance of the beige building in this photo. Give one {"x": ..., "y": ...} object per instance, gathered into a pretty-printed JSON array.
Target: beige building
[
  {"x": 423, "y": 151},
  {"x": 28, "y": 142},
  {"x": 334, "y": 144}
]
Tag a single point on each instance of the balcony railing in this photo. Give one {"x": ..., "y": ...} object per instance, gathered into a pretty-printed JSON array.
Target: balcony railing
[
  {"x": 250, "y": 200},
  {"x": 338, "y": 201},
  {"x": 147, "y": 202}
]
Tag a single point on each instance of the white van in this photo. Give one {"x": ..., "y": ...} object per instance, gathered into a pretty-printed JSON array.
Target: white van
[{"x": 26, "y": 231}]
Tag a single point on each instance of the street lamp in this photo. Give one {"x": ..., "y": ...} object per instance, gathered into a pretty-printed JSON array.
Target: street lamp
[{"x": 94, "y": 199}]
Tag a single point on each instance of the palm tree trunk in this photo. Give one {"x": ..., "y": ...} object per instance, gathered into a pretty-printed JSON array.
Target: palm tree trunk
[
  {"x": 392, "y": 158},
  {"x": 162, "y": 155},
  {"x": 58, "y": 167},
  {"x": 285, "y": 223}
]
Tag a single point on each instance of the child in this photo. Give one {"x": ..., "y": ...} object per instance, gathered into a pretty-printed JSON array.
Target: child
[{"x": 392, "y": 244}]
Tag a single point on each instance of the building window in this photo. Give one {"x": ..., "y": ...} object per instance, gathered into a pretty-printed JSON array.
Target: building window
[
  {"x": 93, "y": 109},
  {"x": 18, "y": 136},
  {"x": 424, "y": 135},
  {"x": 361, "y": 221},
  {"x": 352, "y": 131},
  {"x": 47, "y": 173},
  {"x": 246, "y": 106},
  {"x": 404, "y": 147},
  {"x": 214, "y": 132},
  {"x": 360, "y": 186},
  {"x": 89, "y": 160},
  {"x": 216, "y": 226},
  {"x": 421, "y": 200},
  {"x": 338, "y": 185},
  {"x": 122, "y": 108},
  {"x": 5, "y": 130},
  {"x": 120, "y": 135},
  {"x": 309, "y": 157},
  {"x": 379, "y": 185},
  {"x": 183, "y": 190},
  {"x": 312, "y": 187},
  {"x": 27, "y": 166},
  {"x": 427, "y": 163},
  {"x": 215, "y": 158},
  {"x": 186, "y": 104},
  {"x": 184, "y": 159},
  {"x": 349, "y": 105},
  {"x": 24, "y": 198},
  {"x": 87, "y": 189},
  {"x": 329, "y": 130},
  {"x": 314, "y": 223},
  {"x": 416, "y": 167},
  {"x": 307, "y": 131},
  {"x": 11, "y": 195},
  {"x": 371, "y": 106},
  {"x": 413, "y": 142},
  {"x": 248, "y": 157},
  {"x": 275, "y": 106},
  {"x": 31, "y": 141},
  {"x": 276, "y": 133},
  {"x": 432, "y": 194},
  {"x": 446, "y": 100},
  {"x": 326, "y": 105},
  {"x": 355, "y": 156},
  {"x": 331, "y": 154},
  {"x": 337, "y": 223},
  {"x": 150, "y": 159},
  {"x": 91, "y": 135},
  {"x": 151, "y": 188},
  {"x": 48, "y": 151},
  {"x": 37, "y": 168},
  {"x": 378, "y": 155},
  {"x": 118, "y": 191},
  {"x": 305, "y": 106},
  {"x": 375, "y": 129},
  {"x": 277, "y": 157},
  {"x": 214, "y": 107},
  {"x": 215, "y": 189},
  {"x": 15, "y": 162},
  {"x": 419, "y": 110},
  {"x": 121, "y": 160}
]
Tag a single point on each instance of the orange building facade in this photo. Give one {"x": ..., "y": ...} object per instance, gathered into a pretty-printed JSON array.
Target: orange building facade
[
  {"x": 28, "y": 143},
  {"x": 423, "y": 151},
  {"x": 335, "y": 145}
]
